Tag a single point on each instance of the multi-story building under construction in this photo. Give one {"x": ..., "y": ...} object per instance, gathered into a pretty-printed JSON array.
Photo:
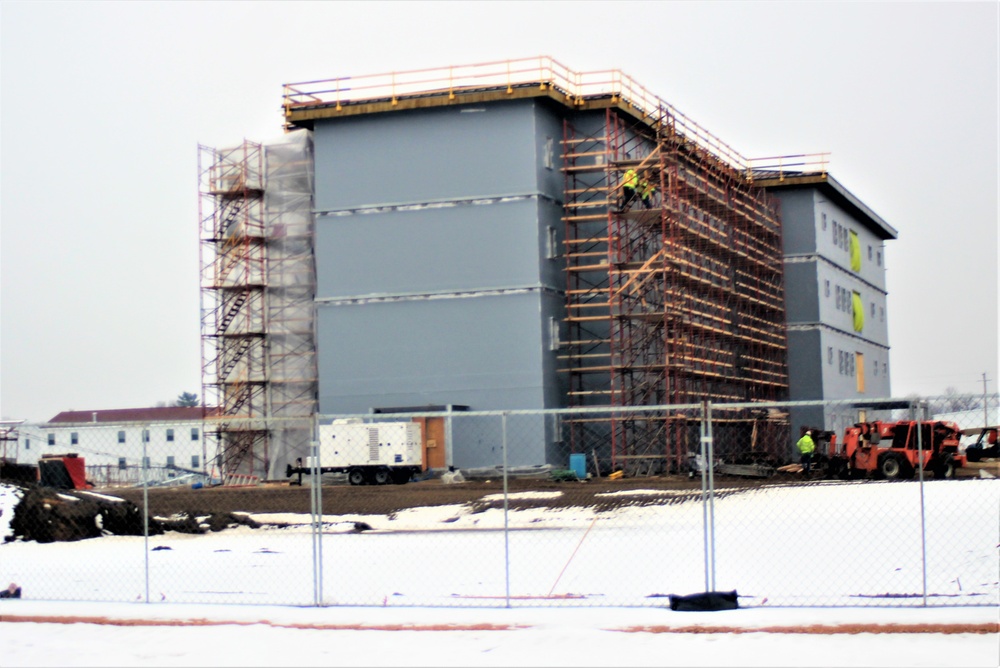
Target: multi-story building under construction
[{"x": 461, "y": 240}]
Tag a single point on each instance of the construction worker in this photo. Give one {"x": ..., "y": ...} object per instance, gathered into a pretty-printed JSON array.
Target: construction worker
[
  {"x": 646, "y": 191},
  {"x": 806, "y": 446},
  {"x": 630, "y": 182}
]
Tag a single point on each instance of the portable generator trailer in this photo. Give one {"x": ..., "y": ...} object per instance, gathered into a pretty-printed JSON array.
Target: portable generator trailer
[
  {"x": 369, "y": 453},
  {"x": 896, "y": 450}
]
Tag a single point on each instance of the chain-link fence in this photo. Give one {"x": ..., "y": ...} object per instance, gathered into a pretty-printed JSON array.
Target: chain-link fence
[{"x": 898, "y": 505}]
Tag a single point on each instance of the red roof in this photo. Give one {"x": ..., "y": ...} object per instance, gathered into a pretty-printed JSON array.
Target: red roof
[{"x": 156, "y": 414}]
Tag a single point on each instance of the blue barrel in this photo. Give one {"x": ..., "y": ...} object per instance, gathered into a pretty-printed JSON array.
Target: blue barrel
[{"x": 578, "y": 464}]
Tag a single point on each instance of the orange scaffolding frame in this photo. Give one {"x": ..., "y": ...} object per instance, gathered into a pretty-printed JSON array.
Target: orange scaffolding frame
[
  {"x": 680, "y": 303},
  {"x": 677, "y": 303},
  {"x": 233, "y": 262}
]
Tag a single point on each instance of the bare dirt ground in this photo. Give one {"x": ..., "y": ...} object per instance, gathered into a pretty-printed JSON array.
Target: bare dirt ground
[{"x": 344, "y": 499}]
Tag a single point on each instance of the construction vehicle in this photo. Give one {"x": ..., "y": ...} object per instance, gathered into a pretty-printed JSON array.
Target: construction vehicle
[
  {"x": 370, "y": 454},
  {"x": 895, "y": 450},
  {"x": 68, "y": 471},
  {"x": 986, "y": 445}
]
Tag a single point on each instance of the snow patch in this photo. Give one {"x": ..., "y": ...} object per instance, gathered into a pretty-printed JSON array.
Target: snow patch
[{"x": 523, "y": 495}]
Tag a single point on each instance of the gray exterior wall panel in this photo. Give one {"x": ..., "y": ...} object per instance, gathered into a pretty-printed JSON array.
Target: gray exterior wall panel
[
  {"x": 458, "y": 248},
  {"x": 798, "y": 211},
  {"x": 426, "y": 155},
  {"x": 801, "y": 292},
  {"x": 482, "y": 352}
]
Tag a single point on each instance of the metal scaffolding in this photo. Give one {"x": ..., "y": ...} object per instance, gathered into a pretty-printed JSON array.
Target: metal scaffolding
[
  {"x": 681, "y": 302},
  {"x": 678, "y": 303},
  {"x": 257, "y": 288}
]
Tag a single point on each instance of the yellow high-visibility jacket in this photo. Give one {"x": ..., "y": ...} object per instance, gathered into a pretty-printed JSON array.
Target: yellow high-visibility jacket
[
  {"x": 631, "y": 179},
  {"x": 806, "y": 445}
]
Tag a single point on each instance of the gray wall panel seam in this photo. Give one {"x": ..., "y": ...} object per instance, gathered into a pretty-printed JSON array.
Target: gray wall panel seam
[
  {"x": 447, "y": 294},
  {"x": 818, "y": 326},
  {"x": 802, "y": 259},
  {"x": 437, "y": 203}
]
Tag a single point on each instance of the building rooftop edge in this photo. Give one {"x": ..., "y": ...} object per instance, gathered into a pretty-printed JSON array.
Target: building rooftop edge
[
  {"x": 837, "y": 191},
  {"x": 159, "y": 413}
]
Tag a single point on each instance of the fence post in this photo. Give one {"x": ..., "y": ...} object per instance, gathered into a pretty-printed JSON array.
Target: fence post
[
  {"x": 919, "y": 410},
  {"x": 711, "y": 493},
  {"x": 316, "y": 517},
  {"x": 144, "y": 464},
  {"x": 708, "y": 495},
  {"x": 506, "y": 534}
]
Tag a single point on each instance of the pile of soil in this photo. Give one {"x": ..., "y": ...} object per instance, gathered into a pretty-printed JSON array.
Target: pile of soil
[{"x": 48, "y": 515}]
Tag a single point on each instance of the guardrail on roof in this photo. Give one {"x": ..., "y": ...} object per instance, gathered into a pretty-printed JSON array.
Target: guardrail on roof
[{"x": 541, "y": 71}]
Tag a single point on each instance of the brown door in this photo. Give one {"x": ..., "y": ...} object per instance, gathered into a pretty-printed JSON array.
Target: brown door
[{"x": 432, "y": 435}]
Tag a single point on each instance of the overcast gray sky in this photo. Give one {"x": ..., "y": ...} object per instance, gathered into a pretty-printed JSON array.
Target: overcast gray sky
[{"x": 103, "y": 105}]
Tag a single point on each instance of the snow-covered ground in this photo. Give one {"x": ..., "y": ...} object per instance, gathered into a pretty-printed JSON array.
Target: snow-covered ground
[
  {"x": 350, "y": 636},
  {"x": 575, "y": 579}
]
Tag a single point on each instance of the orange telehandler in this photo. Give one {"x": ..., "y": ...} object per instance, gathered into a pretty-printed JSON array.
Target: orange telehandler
[{"x": 894, "y": 450}]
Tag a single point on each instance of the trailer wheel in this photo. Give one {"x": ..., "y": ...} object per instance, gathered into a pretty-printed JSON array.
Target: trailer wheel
[
  {"x": 945, "y": 467},
  {"x": 401, "y": 477},
  {"x": 356, "y": 477},
  {"x": 891, "y": 466},
  {"x": 381, "y": 476}
]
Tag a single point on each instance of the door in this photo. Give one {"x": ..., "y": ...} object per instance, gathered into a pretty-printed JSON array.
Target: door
[{"x": 432, "y": 435}]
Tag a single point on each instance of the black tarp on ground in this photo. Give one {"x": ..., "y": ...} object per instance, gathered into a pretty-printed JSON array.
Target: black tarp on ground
[{"x": 705, "y": 601}]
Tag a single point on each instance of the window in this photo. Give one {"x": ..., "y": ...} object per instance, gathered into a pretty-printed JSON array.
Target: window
[
  {"x": 170, "y": 462},
  {"x": 839, "y": 299},
  {"x": 194, "y": 433},
  {"x": 826, "y": 287},
  {"x": 873, "y": 309},
  {"x": 840, "y": 362},
  {"x": 52, "y": 439},
  {"x": 145, "y": 436},
  {"x": 879, "y": 256},
  {"x": 829, "y": 354},
  {"x": 548, "y": 158},
  {"x": 881, "y": 313},
  {"x": 170, "y": 435},
  {"x": 875, "y": 367},
  {"x": 74, "y": 438},
  {"x": 552, "y": 248},
  {"x": 121, "y": 464},
  {"x": 121, "y": 437},
  {"x": 27, "y": 444},
  {"x": 194, "y": 461},
  {"x": 869, "y": 253},
  {"x": 145, "y": 462},
  {"x": 836, "y": 233},
  {"x": 824, "y": 221}
]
